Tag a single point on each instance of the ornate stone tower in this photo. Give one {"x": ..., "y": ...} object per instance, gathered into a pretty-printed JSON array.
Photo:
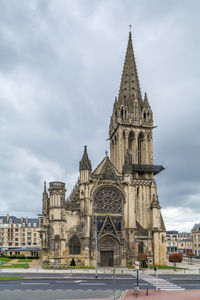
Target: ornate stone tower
[{"x": 131, "y": 152}]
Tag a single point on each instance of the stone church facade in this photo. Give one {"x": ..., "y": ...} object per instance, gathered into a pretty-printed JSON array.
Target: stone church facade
[{"x": 118, "y": 199}]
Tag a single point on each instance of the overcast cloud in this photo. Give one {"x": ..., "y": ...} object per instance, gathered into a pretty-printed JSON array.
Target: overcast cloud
[{"x": 60, "y": 69}]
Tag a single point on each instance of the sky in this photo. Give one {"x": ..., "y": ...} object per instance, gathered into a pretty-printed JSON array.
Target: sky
[{"x": 60, "y": 69}]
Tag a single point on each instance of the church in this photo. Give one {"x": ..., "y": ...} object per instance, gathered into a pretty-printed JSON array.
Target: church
[{"x": 114, "y": 206}]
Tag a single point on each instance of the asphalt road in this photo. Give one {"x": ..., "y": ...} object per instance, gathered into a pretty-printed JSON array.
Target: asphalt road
[{"x": 66, "y": 286}]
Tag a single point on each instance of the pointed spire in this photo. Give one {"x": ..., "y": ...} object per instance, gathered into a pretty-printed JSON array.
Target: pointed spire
[
  {"x": 145, "y": 98},
  {"x": 85, "y": 163},
  {"x": 45, "y": 198},
  {"x": 129, "y": 87}
]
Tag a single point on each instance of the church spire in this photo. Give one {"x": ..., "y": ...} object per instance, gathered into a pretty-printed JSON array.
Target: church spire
[{"x": 129, "y": 87}]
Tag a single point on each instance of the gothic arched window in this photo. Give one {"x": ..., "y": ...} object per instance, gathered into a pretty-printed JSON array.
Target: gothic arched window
[
  {"x": 74, "y": 245},
  {"x": 130, "y": 142},
  {"x": 141, "y": 248},
  {"x": 140, "y": 141},
  {"x": 108, "y": 199}
]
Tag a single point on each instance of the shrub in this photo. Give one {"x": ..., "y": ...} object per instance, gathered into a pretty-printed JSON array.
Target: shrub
[
  {"x": 142, "y": 258},
  {"x": 175, "y": 258},
  {"x": 190, "y": 254},
  {"x": 72, "y": 264}
]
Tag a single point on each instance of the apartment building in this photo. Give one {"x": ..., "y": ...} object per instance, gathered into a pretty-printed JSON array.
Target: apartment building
[
  {"x": 178, "y": 242},
  {"x": 196, "y": 239},
  {"x": 19, "y": 234}
]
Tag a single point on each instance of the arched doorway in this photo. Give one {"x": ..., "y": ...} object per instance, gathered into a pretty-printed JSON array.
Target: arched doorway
[{"x": 109, "y": 250}]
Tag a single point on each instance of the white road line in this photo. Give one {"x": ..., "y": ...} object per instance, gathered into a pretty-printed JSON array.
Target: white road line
[
  {"x": 34, "y": 283},
  {"x": 64, "y": 281},
  {"x": 162, "y": 284},
  {"x": 92, "y": 283}
]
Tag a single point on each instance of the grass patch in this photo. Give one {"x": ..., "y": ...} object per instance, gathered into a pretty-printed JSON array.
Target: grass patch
[
  {"x": 14, "y": 266},
  {"x": 166, "y": 267},
  {"x": 66, "y": 267},
  {"x": 10, "y": 278},
  {"x": 25, "y": 260},
  {"x": 5, "y": 259}
]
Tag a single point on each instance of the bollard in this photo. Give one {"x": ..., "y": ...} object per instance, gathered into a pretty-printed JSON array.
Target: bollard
[
  {"x": 147, "y": 292},
  {"x": 156, "y": 285}
]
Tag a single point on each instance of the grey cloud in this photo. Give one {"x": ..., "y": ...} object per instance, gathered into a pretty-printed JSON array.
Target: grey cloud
[{"x": 60, "y": 69}]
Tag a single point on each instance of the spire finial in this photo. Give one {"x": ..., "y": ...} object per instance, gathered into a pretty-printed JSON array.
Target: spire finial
[
  {"x": 106, "y": 152},
  {"x": 130, "y": 28}
]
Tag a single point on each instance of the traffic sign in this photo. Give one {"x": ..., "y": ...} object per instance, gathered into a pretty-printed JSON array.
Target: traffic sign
[{"x": 137, "y": 265}]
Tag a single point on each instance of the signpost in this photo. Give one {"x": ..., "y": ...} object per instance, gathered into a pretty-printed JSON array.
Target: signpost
[{"x": 137, "y": 266}]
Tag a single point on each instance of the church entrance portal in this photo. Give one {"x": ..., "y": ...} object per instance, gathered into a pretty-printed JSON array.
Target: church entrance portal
[
  {"x": 109, "y": 251},
  {"x": 106, "y": 258}
]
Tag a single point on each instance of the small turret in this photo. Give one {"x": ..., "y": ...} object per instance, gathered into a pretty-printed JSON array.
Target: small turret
[{"x": 85, "y": 167}]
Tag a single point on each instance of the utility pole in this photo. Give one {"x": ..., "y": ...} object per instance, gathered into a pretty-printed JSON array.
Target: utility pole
[{"x": 96, "y": 241}]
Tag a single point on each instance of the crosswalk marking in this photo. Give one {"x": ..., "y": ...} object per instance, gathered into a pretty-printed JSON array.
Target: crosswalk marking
[{"x": 161, "y": 283}]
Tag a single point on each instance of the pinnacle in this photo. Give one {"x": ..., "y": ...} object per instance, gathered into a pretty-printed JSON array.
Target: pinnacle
[
  {"x": 85, "y": 163},
  {"x": 45, "y": 188}
]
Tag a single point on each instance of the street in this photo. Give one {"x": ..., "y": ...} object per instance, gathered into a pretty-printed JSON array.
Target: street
[{"x": 81, "y": 286}]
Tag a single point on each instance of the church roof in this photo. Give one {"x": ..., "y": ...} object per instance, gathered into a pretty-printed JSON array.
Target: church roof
[{"x": 106, "y": 169}]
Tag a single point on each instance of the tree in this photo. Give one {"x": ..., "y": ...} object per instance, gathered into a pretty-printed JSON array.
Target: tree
[
  {"x": 175, "y": 258},
  {"x": 72, "y": 264},
  {"x": 190, "y": 256},
  {"x": 142, "y": 258}
]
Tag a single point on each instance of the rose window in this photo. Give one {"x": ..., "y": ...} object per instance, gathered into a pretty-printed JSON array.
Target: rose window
[{"x": 108, "y": 200}]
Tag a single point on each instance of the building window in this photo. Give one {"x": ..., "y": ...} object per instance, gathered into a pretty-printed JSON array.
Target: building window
[
  {"x": 130, "y": 142},
  {"x": 140, "y": 142},
  {"x": 74, "y": 245},
  {"x": 141, "y": 248}
]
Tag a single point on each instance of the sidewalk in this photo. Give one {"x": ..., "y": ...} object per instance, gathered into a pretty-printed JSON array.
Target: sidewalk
[
  {"x": 153, "y": 295},
  {"x": 162, "y": 295}
]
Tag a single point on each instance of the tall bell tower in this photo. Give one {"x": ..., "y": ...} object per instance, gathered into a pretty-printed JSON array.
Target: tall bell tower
[
  {"x": 131, "y": 152},
  {"x": 132, "y": 119}
]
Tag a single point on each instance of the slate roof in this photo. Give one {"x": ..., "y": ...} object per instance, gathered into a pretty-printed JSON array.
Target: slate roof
[{"x": 16, "y": 220}]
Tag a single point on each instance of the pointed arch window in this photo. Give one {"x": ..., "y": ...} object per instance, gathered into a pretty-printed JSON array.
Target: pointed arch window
[
  {"x": 140, "y": 142},
  {"x": 74, "y": 245},
  {"x": 140, "y": 248},
  {"x": 122, "y": 113},
  {"x": 130, "y": 142}
]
